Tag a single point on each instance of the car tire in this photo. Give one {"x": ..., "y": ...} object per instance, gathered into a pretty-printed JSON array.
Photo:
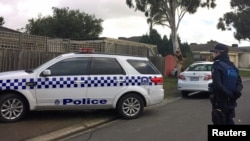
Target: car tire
[
  {"x": 13, "y": 108},
  {"x": 130, "y": 106},
  {"x": 184, "y": 93}
]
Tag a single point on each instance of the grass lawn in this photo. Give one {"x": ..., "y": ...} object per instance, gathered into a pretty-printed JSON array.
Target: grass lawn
[
  {"x": 244, "y": 73},
  {"x": 170, "y": 85}
]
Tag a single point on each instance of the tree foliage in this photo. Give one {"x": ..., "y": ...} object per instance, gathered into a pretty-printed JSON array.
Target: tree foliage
[
  {"x": 65, "y": 23},
  {"x": 168, "y": 12},
  {"x": 164, "y": 45},
  {"x": 237, "y": 19},
  {"x": 1, "y": 21}
]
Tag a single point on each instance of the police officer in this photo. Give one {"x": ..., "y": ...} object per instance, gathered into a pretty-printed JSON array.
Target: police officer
[{"x": 223, "y": 97}]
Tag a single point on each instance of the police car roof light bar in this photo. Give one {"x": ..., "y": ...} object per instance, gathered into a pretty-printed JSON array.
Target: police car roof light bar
[{"x": 86, "y": 50}]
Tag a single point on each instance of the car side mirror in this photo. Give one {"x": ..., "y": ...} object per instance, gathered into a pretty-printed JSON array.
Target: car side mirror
[{"x": 46, "y": 73}]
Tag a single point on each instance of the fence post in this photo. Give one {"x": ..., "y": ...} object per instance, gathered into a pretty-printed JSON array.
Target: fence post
[
  {"x": 68, "y": 46},
  {"x": 46, "y": 44},
  {"x": 20, "y": 42}
]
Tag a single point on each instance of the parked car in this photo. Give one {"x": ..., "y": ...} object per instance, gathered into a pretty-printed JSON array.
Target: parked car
[
  {"x": 82, "y": 81},
  {"x": 195, "y": 78}
]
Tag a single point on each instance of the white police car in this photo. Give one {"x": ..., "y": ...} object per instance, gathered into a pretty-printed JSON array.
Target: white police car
[{"x": 82, "y": 81}]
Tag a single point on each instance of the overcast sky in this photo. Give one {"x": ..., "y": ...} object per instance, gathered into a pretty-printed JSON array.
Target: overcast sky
[{"x": 120, "y": 21}]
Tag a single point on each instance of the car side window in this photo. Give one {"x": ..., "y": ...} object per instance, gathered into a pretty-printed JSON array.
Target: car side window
[
  {"x": 143, "y": 67},
  {"x": 71, "y": 66},
  {"x": 105, "y": 66}
]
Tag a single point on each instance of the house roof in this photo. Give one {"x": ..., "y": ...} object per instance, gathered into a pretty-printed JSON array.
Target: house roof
[
  {"x": 8, "y": 30},
  {"x": 209, "y": 46},
  {"x": 134, "y": 38},
  {"x": 245, "y": 49}
]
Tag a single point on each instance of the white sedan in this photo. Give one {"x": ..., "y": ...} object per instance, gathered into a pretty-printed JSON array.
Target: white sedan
[{"x": 195, "y": 78}]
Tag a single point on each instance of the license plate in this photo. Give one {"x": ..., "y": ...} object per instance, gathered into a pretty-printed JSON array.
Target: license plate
[{"x": 194, "y": 78}]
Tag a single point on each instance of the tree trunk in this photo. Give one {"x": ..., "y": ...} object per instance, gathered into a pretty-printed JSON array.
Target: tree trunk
[
  {"x": 176, "y": 48},
  {"x": 177, "y": 51}
]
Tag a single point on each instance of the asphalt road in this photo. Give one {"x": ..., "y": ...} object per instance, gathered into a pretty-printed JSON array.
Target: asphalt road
[
  {"x": 180, "y": 120},
  {"x": 38, "y": 126}
]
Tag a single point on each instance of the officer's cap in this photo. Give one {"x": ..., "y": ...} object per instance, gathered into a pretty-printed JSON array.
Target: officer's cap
[{"x": 220, "y": 48}]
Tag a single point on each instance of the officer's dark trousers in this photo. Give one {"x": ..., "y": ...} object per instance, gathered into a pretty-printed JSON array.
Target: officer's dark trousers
[{"x": 223, "y": 117}]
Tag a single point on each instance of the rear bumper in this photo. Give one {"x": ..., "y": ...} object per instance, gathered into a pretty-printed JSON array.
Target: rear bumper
[
  {"x": 155, "y": 97},
  {"x": 191, "y": 86}
]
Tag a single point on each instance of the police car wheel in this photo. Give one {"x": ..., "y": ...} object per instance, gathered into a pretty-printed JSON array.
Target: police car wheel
[
  {"x": 130, "y": 106},
  {"x": 12, "y": 108}
]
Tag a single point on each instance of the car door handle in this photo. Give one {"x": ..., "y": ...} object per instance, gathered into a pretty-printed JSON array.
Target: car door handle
[{"x": 79, "y": 82}]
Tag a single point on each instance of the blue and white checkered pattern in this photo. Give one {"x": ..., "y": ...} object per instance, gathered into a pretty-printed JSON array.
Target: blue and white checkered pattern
[
  {"x": 13, "y": 84},
  {"x": 70, "y": 82}
]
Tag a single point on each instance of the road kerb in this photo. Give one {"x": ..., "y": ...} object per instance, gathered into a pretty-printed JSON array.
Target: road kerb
[
  {"x": 58, "y": 134},
  {"x": 61, "y": 133}
]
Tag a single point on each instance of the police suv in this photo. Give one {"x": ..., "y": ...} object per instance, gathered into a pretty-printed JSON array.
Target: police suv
[{"x": 82, "y": 81}]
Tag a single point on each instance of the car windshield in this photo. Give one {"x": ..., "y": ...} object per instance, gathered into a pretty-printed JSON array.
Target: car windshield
[{"x": 200, "y": 67}]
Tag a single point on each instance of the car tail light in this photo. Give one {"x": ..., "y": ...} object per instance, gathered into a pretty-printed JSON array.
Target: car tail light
[
  {"x": 157, "y": 80},
  {"x": 208, "y": 77},
  {"x": 182, "y": 77}
]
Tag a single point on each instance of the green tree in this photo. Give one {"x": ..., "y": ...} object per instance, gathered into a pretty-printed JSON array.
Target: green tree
[
  {"x": 155, "y": 39},
  {"x": 169, "y": 13},
  {"x": 237, "y": 19},
  {"x": 164, "y": 45},
  {"x": 167, "y": 46},
  {"x": 1, "y": 21},
  {"x": 65, "y": 23}
]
